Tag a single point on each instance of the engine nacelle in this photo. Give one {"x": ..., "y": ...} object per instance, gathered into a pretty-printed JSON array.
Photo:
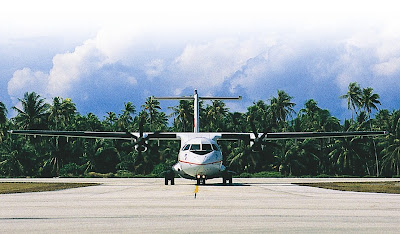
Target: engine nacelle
[{"x": 141, "y": 148}]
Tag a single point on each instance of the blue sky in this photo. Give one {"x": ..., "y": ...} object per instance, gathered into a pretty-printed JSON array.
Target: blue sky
[{"x": 102, "y": 54}]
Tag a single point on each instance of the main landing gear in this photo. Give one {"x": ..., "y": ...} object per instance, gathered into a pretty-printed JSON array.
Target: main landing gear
[
  {"x": 169, "y": 176},
  {"x": 227, "y": 177}
]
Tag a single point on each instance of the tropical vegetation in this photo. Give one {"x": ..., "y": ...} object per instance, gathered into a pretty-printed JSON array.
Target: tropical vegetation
[{"x": 26, "y": 156}]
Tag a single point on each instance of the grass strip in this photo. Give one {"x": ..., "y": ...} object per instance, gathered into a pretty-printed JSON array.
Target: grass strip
[
  {"x": 371, "y": 187},
  {"x": 28, "y": 187}
]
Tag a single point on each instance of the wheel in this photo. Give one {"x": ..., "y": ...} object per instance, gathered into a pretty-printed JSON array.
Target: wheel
[
  {"x": 169, "y": 176},
  {"x": 227, "y": 178}
]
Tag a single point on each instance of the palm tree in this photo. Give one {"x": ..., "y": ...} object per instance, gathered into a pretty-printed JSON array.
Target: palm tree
[
  {"x": 391, "y": 144},
  {"x": 160, "y": 122},
  {"x": 3, "y": 113},
  {"x": 281, "y": 108},
  {"x": 353, "y": 97},
  {"x": 3, "y": 119},
  {"x": 55, "y": 111},
  {"x": 291, "y": 160},
  {"x": 369, "y": 101},
  {"x": 111, "y": 118},
  {"x": 68, "y": 110},
  {"x": 257, "y": 115},
  {"x": 151, "y": 106},
  {"x": 236, "y": 122},
  {"x": 125, "y": 120},
  {"x": 391, "y": 157},
  {"x": 10, "y": 159},
  {"x": 129, "y": 110},
  {"x": 33, "y": 113},
  {"x": 18, "y": 157},
  {"x": 216, "y": 114},
  {"x": 61, "y": 112},
  {"x": 344, "y": 156},
  {"x": 183, "y": 115},
  {"x": 308, "y": 115}
]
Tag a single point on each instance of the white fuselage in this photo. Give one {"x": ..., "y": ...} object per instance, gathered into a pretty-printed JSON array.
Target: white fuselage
[{"x": 199, "y": 157}]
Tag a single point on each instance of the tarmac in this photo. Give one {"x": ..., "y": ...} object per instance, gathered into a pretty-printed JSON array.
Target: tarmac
[{"x": 270, "y": 205}]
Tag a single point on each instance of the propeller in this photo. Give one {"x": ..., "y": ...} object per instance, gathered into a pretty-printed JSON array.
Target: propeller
[
  {"x": 258, "y": 140},
  {"x": 141, "y": 144}
]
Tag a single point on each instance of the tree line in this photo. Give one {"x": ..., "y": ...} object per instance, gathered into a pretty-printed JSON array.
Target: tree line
[{"x": 22, "y": 156}]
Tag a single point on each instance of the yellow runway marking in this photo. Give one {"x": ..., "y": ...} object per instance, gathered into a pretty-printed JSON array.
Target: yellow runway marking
[{"x": 196, "y": 190}]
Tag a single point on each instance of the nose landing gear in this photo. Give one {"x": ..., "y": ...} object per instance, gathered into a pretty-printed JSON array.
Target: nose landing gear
[{"x": 201, "y": 179}]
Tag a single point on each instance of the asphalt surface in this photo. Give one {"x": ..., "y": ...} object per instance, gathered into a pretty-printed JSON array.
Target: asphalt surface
[{"x": 148, "y": 206}]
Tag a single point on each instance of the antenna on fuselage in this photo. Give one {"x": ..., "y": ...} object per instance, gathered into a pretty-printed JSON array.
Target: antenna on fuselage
[{"x": 196, "y": 98}]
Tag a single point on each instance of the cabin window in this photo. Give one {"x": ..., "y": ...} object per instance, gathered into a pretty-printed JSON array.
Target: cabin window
[
  {"x": 195, "y": 147},
  {"x": 216, "y": 147},
  {"x": 186, "y": 147},
  {"x": 206, "y": 147}
]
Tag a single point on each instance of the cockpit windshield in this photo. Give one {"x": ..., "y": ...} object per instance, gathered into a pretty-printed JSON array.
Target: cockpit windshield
[
  {"x": 216, "y": 148},
  {"x": 200, "y": 149},
  {"x": 195, "y": 147},
  {"x": 206, "y": 147}
]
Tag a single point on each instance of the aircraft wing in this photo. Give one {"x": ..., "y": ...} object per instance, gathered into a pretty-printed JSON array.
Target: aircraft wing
[
  {"x": 104, "y": 135},
  {"x": 184, "y": 136},
  {"x": 295, "y": 135},
  {"x": 305, "y": 135}
]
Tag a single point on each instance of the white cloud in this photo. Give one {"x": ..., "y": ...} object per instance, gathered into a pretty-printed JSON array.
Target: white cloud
[
  {"x": 266, "y": 69},
  {"x": 388, "y": 68},
  {"x": 69, "y": 68},
  {"x": 209, "y": 64},
  {"x": 26, "y": 80},
  {"x": 235, "y": 44}
]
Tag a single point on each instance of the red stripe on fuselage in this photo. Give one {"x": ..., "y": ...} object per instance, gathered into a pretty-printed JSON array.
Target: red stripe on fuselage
[{"x": 199, "y": 164}]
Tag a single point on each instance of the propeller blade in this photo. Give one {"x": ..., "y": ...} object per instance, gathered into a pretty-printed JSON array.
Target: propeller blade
[{"x": 253, "y": 127}]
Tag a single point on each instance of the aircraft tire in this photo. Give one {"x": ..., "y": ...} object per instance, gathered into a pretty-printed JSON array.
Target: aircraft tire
[
  {"x": 170, "y": 176},
  {"x": 227, "y": 178}
]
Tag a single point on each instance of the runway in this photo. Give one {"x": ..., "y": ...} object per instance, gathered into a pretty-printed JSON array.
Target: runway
[{"x": 148, "y": 206}]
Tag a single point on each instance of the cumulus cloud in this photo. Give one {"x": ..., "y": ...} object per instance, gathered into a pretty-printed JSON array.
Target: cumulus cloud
[
  {"x": 26, "y": 80},
  {"x": 209, "y": 64},
  {"x": 69, "y": 68},
  {"x": 250, "y": 52}
]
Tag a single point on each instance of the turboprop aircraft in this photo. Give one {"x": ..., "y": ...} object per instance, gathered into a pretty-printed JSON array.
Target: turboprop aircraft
[{"x": 200, "y": 157}]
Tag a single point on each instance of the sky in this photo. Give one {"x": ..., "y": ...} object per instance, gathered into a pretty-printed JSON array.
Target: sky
[{"x": 105, "y": 53}]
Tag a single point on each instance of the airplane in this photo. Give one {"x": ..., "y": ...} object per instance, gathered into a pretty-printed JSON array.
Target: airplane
[{"x": 199, "y": 158}]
